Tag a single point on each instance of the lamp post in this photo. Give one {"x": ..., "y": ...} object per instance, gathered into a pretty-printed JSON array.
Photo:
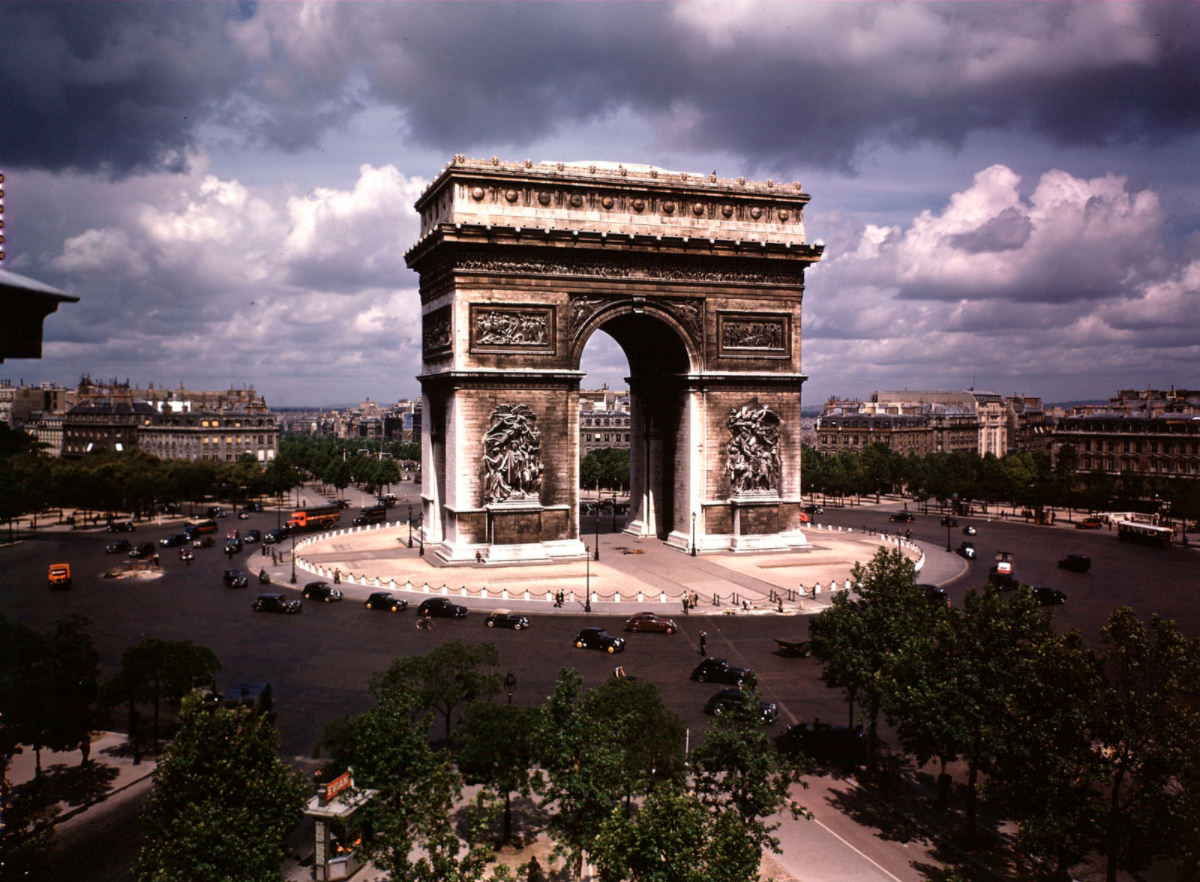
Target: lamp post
[
  {"x": 948, "y": 548},
  {"x": 587, "y": 595},
  {"x": 596, "y": 551},
  {"x": 410, "y": 526},
  {"x": 293, "y": 558},
  {"x": 510, "y": 684},
  {"x": 693, "y": 534}
]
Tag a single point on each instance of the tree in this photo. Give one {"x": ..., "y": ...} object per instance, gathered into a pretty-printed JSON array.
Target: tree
[
  {"x": 223, "y": 802},
  {"x": 857, "y": 635},
  {"x": 737, "y": 770},
  {"x": 449, "y": 675},
  {"x": 675, "y": 838},
  {"x": 406, "y": 829},
  {"x": 494, "y": 746},
  {"x": 73, "y": 673}
]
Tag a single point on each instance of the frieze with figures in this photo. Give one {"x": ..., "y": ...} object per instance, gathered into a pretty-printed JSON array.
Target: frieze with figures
[
  {"x": 743, "y": 334},
  {"x": 527, "y": 328},
  {"x": 688, "y": 272},
  {"x": 689, "y": 312}
]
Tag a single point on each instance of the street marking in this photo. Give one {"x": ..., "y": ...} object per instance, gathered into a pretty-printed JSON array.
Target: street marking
[{"x": 856, "y": 850}]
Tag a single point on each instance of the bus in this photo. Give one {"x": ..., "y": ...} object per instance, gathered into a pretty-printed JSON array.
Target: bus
[
  {"x": 199, "y": 527},
  {"x": 1145, "y": 534},
  {"x": 315, "y": 517}
]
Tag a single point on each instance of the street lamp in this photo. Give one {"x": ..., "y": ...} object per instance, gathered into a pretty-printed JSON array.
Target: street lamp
[
  {"x": 597, "y": 522},
  {"x": 587, "y": 596},
  {"x": 948, "y": 548},
  {"x": 293, "y": 558},
  {"x": 693, "y": 534},
  {"x": 510, "y": 684},
  {"x": 410, "y": 526}
]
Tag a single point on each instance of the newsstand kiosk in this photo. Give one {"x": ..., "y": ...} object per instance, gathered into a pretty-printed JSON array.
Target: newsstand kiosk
[{"x": 336, "y": 802}]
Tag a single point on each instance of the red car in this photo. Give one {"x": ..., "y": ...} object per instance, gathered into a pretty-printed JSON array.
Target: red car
[
  {"x": 1090, "y": 524},
  {"x": 648, "y": 621}
]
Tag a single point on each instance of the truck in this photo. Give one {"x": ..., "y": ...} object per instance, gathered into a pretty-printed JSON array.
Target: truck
[
  {"x": 315, "y": 517},
  {"x": 59, "y": 576},
  {"x": 376, "y": 514}
]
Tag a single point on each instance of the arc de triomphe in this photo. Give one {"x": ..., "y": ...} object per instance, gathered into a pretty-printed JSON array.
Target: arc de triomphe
[{"x": 698, "y": 279}]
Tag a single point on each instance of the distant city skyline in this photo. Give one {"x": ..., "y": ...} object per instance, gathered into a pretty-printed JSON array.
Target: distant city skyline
[{"x": 1007, "y": 192}]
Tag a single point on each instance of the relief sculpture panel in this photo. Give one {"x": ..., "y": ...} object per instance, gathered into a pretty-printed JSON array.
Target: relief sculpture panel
[
  {"x": 512, "y": 456},
  {"x": 754, "y": 335},
  {"x": 753, "y": 465},
  {"x": 526, "y": 329}
]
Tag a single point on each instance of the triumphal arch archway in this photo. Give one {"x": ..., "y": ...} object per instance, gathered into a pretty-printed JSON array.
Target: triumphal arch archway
[{"x": 699, "y": 279}]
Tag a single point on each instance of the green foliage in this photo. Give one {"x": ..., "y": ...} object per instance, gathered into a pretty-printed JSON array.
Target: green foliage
[
  {"x": 675, "y": 837},
  {"x": 736, "y": 771},
  {"x": 495, "y": 747},
  {"x": 607, "y": 468},
  {"x": 407, "y": 827},
  {"x": 223, "y": 802},
  {"x": 451, "y": 674}
]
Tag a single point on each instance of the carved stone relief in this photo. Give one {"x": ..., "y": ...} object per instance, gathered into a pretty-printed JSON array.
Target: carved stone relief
[
  {"x": 690, "y": 314},
  {"x": 436, "y": 330},
  {"x": 512, "y": 456},
  {"x": 741, "y": 334},
  {"x": 617, "y": 270},
  {"x": 582, "y": 309},
  {"x": 753, "y": 465},
  {"x": 524, "y": 329}
]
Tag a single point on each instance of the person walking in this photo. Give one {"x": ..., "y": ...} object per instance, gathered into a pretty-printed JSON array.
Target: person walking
[{"x": 703, "y": 643}]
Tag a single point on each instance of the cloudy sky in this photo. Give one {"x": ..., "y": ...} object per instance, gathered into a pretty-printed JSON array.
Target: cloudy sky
[{"x": 1009, "y": 192}]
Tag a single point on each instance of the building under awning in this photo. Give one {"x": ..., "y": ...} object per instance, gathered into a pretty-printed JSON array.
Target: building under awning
[{"x": 24, "y": 305}]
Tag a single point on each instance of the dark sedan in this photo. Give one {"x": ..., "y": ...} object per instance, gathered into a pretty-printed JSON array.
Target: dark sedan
[
  {"x": 967, "y": 550},
  {"x": 120, "y": 527},
  {"x": 235, "y": 579},
  {"x": 1076, "y": 563},
  {"x": 387, "y": 602},
  {"x": 144, "y": 551},
  {"x": 441, "y": 607},
  {"x": 503, "y": 618},
  {"x": 253, "y": 536},
  {"x": 598, "y": 638},
  {"x": 731, "y": 699},
  {"x": 902, "y": 517},
  {"x": 174, "y": 540},
  {"x": 648, "y": 621},
  {"x": 321, "y": 591},
  {"x": 825, "y": 743},
  {"x": 121, "y": 546},
  {"x": 276, "y": 603},
  {"x": 1048, "y": 596},
  {"x": 718, "y": 670}
]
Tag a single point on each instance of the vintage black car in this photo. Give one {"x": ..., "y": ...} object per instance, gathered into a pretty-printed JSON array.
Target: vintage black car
[
  {"x": 252, "y": 536},
  {"x": 321, "y": 591},
  {"x": 174, "y": 540},
  {"x": 143, "y": 551},
  {"x": 441, "y": 607},
  {"x": 1048, "y": 596},
  {"x": 186, "y": 553},
  {"x": 121, "y": 546},
  {"x": 503, "y": 618},
  {"x": 648, "y": 621},
  {"x": 969, "y": 530},
  {"x": 934, "y": 595},
  {"x": 967, "y": 550},
  {"x": 382, "y": 600},
  {"x": 277, "y": 603},
  {"x": 731, "y": 699},
  {"x": 825, "y": 743},
  {"x": 120, "y": 527},
  {"x": 598, "y": 638},
  {"x": 902, "y": 517},
  {"x": 277, "y": 535},
  {"x": 236, "y": 578},
  {"x": 1076, "y": 563},
  {"x": 718, "y": 670}
]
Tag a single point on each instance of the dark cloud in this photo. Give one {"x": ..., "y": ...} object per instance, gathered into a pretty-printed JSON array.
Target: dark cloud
[{"x": 1008, "y": 230}]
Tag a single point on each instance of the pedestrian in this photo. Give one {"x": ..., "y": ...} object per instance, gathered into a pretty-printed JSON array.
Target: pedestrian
[
  {"x": 685, "y": 606},
  {"x": 703, "y": 643},
  {"x": 337, "y": 577},
  {"x": 779, "y": 600},
  {"x": 695, "y": 598},
  {"x": 535, "y": 870}
]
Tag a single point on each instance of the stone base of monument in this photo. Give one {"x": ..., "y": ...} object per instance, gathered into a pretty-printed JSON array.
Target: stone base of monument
[
  {"x": 558, "y": 551},
  {"x": 793, "y": 540}
]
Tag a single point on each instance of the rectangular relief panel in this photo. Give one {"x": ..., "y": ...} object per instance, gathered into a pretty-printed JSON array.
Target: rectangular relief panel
[
  {"x": 754, "y": 334},
  {"x": 525, "y": 329},
  {"x": 437, "y": 332}
]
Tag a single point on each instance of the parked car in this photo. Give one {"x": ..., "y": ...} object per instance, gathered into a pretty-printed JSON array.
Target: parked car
[
  {"x": 120, "y": 527},
  {"x": 252, "y": 536},
  {"x": 1076, "y": 563},
  {"x": 935, "y": 595},
  {"x": 648, "y": 621},
  {"x": 442, "y": 608},
  {"x": 59, "y": 576},
  {"x": 277, "y": 603},
  {"x": 321, "y": 591},
  {"x": 1090, "y": 523},
  {"x": 121, "y": 546},
  {"x": 174, "y": 540},
  {"x": 967, "y": 550},
  {"x": 236, "y": 578},
  {"x": 732, "y": 699},
  {"x": 902, "y": 517},
  {"x": 825, "y": 743},
  {"x": 385, "y": 601},
  {"x": 969, "y": 530},
  {"x": 1048, "y": 596},
  {"x": 598, "y": 638},
  {"x": 143, "y": 551},
  {"x": 503, "y": 618},
  {"x": 186, "y": 553},
  {"x": 718, "y": 670}
]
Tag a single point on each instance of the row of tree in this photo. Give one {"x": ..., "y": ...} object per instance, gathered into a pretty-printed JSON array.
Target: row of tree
[
  {"x": 1024, "y": 479},
  {"x": 606, "y": 468},
  {"x": 1087, "y": 750}
]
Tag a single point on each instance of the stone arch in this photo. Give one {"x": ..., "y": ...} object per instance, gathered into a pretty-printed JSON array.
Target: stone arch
[{"x": 698, "y": 279}]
